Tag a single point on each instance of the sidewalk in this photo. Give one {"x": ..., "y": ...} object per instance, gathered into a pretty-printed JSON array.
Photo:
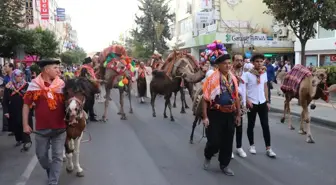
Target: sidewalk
[{"x": 323, "y": 114}]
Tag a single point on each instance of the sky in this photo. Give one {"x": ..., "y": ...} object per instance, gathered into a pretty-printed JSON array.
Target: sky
[{"x": 99, "y": 22}]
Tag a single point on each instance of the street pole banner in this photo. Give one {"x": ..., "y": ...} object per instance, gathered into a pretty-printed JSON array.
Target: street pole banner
[
  {"x": 44, "y": 9},
  {"x": 60, "y": 14},
  {"x": 29, "y": 12}
]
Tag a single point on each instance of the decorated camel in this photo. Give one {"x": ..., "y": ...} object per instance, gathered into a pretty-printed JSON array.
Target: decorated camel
[
  {"x": 178, "y": 68},
  {"x": 117, "y": 72},
  {"x": 305, "y": 85}
]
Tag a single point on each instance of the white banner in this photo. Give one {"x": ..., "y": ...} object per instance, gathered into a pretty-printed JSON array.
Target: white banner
[
  {"x": 204, "y": 17},
  {"x": 206, "y": 4}
]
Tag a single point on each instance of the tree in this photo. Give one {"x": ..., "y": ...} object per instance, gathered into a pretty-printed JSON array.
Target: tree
[
  {"x": 301, "y": 15},
  {"x": 244, "y": 30},
  {"x": 75, "y": 56},
  {"x": 12, "y": 13},
  {"x": 42, "y": 43},
  {"x": 153, "y": 26},
  {"x": 11, "y": 20}
]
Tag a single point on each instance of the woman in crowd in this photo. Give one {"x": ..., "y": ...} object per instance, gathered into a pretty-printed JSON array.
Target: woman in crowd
[{"x": 12, "y": 107}]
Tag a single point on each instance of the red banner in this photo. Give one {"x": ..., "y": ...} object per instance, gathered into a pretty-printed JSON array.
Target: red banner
[
  {"x": 44, "y": 9},
  {"x": 333, "y": 58}
]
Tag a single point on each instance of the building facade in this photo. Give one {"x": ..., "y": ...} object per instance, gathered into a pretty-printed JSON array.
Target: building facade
[
  {"x": 320, "y": 50},
  {"x": 235, "y": 23}
]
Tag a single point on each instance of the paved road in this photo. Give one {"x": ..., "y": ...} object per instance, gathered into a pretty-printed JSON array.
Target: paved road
[{"x": 154, "y": 151}]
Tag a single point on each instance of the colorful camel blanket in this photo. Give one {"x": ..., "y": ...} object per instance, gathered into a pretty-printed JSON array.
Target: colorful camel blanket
[{"x": 294, "y": 78}]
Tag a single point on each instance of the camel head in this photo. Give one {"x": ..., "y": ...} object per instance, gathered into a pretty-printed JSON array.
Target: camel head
[
  {"x": 320, "y": 82},
  {"x": 185, "y": 69}
]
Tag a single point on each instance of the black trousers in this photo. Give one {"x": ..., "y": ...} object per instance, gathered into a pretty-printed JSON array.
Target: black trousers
[
  {"x": 18, "y": 129},
  {"x": 220, "y": 134},
  {"x": 239, "y": 134},
  {"x": 270, "y": 87},
  {"x": 88, "y": 107},
  {"x": 262, "y": 111}
]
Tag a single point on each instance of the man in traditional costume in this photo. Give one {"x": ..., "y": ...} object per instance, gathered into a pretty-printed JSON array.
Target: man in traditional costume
[
  {"x": 46, "y": 92},
  {"x": 87, "y": 71},
  {"x": 221, "y": 112},
  {"x": 141, "y": 81}
]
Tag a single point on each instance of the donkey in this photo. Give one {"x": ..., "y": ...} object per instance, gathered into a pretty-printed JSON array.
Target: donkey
[{"x": 76, "y": 92}]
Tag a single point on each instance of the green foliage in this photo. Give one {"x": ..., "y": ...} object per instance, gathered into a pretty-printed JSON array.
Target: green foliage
[
  {"x": 76, "y": 56},
  {"x": 331, "y": 71},
  {"x": 139, "y": 51},
  {"x": 10, "y": 39},
  {"x": 11, "y": 20},
  {"x": 153, "y": 26},
  {"x": 35, "y": 68},
  {"x": 42, "y": 43},
  {"x": 301, "y": 15},
  {"x": 12, "y": 13}
]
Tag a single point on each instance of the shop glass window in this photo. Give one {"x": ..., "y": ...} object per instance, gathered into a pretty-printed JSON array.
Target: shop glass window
[{"x": 311, "y": 60}]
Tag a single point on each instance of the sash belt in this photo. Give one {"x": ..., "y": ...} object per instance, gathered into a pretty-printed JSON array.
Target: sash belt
[{"x": 224, "y": 108}]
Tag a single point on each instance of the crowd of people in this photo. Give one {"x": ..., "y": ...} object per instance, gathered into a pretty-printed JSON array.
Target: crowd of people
[{"x": 232, "y": 85}]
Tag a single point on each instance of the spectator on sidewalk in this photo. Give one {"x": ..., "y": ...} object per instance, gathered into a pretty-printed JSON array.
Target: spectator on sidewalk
[
  {"x": 12, "y": 107},
  {"x": 46, "y": 92},
  {"x": 8, "y": 68},
  {"x": 270, "y": 77},
  {"x": 257, "y": 102}
]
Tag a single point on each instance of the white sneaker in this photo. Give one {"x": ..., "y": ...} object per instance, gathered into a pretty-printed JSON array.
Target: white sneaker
[
  {"x": 232, "y": 156},
  {"x": 241, "y": 152},
  {"x": 270, "y": 153},
  {"x": 252, "y": 150}
]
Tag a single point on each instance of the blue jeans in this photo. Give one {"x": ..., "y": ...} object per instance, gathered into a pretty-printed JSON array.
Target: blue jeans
[{"x": 55, "y": 139}]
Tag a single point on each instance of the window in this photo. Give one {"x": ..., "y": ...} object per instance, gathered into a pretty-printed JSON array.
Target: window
[
  {"x": 185, "y": 26},
  {"x": 312, "y": 59},
  {"x": 325, "y": 60},
  {"x": 323, "y": 33}
]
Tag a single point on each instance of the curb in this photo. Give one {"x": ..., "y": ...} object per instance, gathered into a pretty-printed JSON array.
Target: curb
[{"x": 314, "y": 120}]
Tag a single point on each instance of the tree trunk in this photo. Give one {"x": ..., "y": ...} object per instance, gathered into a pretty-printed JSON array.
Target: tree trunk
[{"x": 303, "y": 52}]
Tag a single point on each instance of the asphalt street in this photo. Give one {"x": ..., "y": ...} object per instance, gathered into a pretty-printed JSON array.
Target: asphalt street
[{"x": 154, "y": 151}]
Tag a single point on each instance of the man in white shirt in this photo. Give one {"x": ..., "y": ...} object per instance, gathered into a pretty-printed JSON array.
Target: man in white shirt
[
  {"x": 258, "y": 103},
  {"x": 237, "y": 69}
]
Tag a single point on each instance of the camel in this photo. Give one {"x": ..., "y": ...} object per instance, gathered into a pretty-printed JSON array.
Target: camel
[
  {"x": 113, "y": 73},
  {"x": 306, "y": 86},
  {"x": 177, "y": 69}
]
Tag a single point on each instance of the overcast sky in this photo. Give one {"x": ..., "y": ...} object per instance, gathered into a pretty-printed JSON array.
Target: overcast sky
[{"x": 98, "y": 22}]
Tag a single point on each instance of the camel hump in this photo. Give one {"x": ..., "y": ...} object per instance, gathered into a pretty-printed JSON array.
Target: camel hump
[{"x": 157, "y": 73}]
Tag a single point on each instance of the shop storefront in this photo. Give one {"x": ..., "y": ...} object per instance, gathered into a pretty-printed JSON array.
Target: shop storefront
[{"x": 320, "y": 51}]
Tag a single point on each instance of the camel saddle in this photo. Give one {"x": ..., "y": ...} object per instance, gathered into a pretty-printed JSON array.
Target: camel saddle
[
  {"x": 172, "y": 62},
  {"x": 293, "y": 79}
]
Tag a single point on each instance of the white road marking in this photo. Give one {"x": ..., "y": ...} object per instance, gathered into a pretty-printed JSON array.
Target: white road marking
[{"x": 28, "y": 171}]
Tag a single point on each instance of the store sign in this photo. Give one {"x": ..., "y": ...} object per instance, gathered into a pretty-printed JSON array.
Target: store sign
[
  {"x": 204, "y": 17},
  {"x": 29, "y": 12},
  {"x": 332, "y": 58},
  {"x": 246, "y": 38},
  {"x": 44, "y": 4}
]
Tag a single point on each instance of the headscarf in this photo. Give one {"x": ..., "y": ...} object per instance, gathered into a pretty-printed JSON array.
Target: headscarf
[{"x": 15, "y": 73}]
